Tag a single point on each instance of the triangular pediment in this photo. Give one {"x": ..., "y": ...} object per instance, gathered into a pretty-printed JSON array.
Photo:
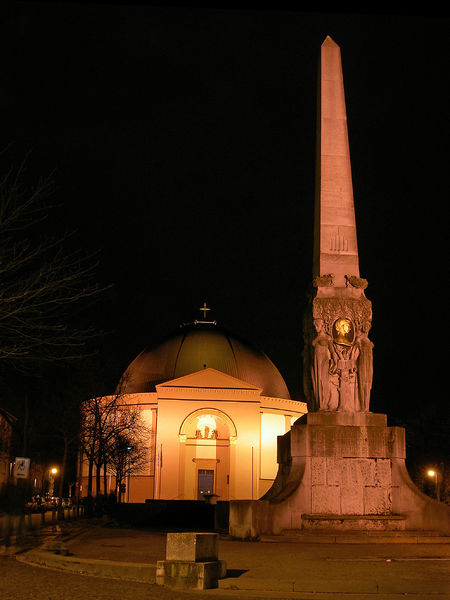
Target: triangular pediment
[{"x": 209, "y": 378}]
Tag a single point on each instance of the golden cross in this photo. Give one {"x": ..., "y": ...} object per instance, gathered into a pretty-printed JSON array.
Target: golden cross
[{"x": 204, "y": 309}]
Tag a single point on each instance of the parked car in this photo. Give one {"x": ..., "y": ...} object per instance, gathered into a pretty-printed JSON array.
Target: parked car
[
  {"x": 36, "y": 504},
  {"x": 51, "y": 502}
]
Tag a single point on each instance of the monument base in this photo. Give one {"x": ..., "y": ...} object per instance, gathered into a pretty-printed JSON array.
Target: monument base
[{"x": 340, "y": 471}]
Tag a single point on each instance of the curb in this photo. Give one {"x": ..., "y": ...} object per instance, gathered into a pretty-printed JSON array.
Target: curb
[
  {"x": 140, "y": 572},
  {"x": 417, "y": 540},
  {"x": 378, "y": 538}
]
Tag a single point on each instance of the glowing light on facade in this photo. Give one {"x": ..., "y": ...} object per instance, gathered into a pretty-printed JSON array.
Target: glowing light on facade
[
  {"x": 272, "y": 425},
  {"x": 206, "y": 427}
]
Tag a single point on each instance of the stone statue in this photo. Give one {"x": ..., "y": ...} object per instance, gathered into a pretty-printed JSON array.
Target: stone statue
[
  {"x": 365, "y": 367},
  {"x": 340, "y": 364},
  {"x": 320, "y": 367},
  {"x": 343, "y": 369}
]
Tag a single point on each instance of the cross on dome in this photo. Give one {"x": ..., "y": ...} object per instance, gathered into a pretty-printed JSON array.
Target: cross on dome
[{"x": 204, "y": 309}]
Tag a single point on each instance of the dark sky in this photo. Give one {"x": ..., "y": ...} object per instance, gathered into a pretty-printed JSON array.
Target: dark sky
[{"x": 183, "y": 145}]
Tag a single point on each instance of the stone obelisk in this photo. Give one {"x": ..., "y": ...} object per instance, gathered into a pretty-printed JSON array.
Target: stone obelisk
[
  {"x": 341, "y": 467},
  {"x": 335, "y": 244},
  {"x": 338, "y": 352}
]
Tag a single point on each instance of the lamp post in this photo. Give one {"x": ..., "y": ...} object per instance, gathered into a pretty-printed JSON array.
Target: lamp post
[
  {"x": 51, "y": 481},
  {"x": 433, "y": 473}
]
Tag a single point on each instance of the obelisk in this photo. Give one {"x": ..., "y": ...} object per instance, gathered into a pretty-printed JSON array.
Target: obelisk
[
  {"x": 338, "y": 352},
  {"x": 341, "y": 467},
  {"x": 336, "y": 249}
]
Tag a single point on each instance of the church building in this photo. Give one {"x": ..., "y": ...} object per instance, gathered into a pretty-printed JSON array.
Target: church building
[{"x": 214, "y": 405}]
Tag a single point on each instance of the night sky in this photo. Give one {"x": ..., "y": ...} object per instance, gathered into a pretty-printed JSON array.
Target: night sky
[{"x": 182, "y": 142}]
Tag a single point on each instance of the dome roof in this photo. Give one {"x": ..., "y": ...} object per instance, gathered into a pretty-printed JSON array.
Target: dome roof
[{"x": 197, "y": 346}]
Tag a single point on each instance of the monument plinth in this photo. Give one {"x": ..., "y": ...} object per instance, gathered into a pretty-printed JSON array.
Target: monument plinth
[
  {"x": 340, "y": 466},
  {"x": 336, "y": 472}
]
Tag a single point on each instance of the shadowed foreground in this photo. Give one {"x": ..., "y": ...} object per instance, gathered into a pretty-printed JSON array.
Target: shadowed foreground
[{"x": 271, "y": 569}]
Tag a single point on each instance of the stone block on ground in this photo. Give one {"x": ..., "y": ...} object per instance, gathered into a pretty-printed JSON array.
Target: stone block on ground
[
  {"x": 192, "y": 546},
  {"x": 191, "y": 561},
  {"x": 190, "y": 575}
]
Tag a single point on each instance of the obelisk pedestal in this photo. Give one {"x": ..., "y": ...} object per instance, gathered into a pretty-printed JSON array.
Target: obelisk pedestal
[{"x": 346, "y": 482}]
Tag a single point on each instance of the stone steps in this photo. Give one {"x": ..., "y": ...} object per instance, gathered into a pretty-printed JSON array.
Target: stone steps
[
  {"x": 380, "y": 523},
  {"x": 357, "y": 537}
]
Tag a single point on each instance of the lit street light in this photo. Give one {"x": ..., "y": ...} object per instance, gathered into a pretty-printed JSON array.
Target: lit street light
[
  {"x": 51, "y": 481},
  {"x": 434, "y": 473}
]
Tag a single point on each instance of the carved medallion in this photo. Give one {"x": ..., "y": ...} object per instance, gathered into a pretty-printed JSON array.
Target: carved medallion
[{"x": 343, "y": 332}]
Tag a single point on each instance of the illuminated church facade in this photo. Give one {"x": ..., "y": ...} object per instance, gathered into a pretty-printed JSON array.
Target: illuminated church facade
[{"x": 213, "y": 405}]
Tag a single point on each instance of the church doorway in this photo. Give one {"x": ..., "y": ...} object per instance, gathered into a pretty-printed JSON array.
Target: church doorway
[
  {"x": 205, "y": 454},
  {"x": 205, "y": 482}
]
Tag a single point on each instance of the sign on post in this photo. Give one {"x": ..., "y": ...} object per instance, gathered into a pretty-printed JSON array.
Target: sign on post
[{"x": 21, "y": 467}]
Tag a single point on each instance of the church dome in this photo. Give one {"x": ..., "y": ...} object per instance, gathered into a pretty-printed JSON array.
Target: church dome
[{"x": 197, "y": 346}]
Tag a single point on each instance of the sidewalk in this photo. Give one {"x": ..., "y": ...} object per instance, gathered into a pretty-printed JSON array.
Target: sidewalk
[{"x": 270, "y": 568}]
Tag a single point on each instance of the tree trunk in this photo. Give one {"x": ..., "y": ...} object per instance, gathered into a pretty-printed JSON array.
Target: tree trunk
[
  {"x": 105, "y": 478},
  {"x": 98, "y": 478},
  {"x": 90, "y": 476}
]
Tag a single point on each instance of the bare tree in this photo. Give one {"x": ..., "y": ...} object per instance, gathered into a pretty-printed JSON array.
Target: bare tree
[
  {"x": 39, "y": 279},
  {"x": 113, "y": 437},
  {"x": 130, "y": 454}
]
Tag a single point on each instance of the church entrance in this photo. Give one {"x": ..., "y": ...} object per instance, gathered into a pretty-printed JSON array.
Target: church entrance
[
  {"x": 205, "y": 482},
  {"x": 205, "y": 455}
]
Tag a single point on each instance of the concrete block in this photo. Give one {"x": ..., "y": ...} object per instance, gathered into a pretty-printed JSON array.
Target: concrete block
[
  {"x": 345, "y": 441},
  {"x": 326, "y": 499},
  {"x": 249, "y": 517},
  {"x": 318, "y": 470},
  {"x": 341, "y": 418},
  {"x": 366, "y": 471},
  {"x": 352, "y": 500},
  {"x": 190, "y": 575},
  {"x": 304, "y": 444},
  {"x": 192, "y": 546},
  {"x": 377, "y": 501},
  {"x": 349, "y": 472},
  {"x": 333, "y": 471},
  {"x": 383, "y": 477}
]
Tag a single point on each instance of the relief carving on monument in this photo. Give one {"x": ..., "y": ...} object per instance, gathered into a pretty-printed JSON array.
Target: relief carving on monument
[
  {"x": 340, "y": 355},
  {"x": 356, "y": 282},
  {"x": 323, "y": 280}
]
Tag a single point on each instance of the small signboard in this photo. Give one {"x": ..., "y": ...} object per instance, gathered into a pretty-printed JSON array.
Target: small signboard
[{"x": 21, "y": 467}]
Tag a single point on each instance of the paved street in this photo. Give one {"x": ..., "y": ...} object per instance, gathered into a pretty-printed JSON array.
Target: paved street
[
  {"x": 23, "y": 582},
  {"x": 278, "y": 570}
]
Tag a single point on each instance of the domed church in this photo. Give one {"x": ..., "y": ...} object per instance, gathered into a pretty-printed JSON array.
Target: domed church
[{"x": 214, "y": 405}]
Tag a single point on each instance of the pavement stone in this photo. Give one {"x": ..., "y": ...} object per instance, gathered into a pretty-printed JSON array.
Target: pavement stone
[{"x": 271, "y": 568}]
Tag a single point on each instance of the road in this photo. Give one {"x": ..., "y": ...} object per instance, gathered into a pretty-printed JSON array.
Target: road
[
  {"x": 19, "y": 581},
  {"x": 23, "y": 582},
  {"x": 274, "y": 570}
]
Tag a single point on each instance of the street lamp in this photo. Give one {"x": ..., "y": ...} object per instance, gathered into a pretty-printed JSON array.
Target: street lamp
[
  {"x": 433, "y": 473},
  {"x": 51, "y": 482}
]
